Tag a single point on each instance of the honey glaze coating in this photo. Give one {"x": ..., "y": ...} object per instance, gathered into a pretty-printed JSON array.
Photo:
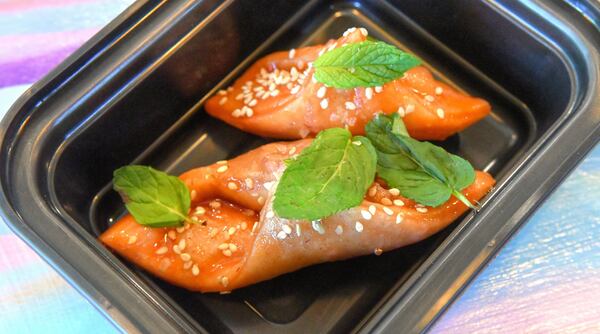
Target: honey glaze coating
[
  {"x": 279, "y": 97},
  {"x": 236, "y": 239}
]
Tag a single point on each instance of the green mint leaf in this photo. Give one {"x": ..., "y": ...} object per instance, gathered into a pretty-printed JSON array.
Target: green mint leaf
[
  {"x": 363, "y": 64},
  {"x": 330, "y": 175},
  {"x": 420, "y": 170},
  {"x": 153, "y": 198}
]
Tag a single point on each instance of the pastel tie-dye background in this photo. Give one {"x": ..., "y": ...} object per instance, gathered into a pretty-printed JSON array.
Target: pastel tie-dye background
[{"x": 545, "y": 280}]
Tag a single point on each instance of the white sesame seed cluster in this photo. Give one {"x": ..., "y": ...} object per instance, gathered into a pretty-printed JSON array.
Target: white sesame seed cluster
[
  {"x": 268, "y": 84},
  {"x": 176, "y": 242}
]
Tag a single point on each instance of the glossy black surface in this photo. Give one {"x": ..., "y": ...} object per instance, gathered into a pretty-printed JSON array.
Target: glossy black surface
[{"x": 135, "y": 94}]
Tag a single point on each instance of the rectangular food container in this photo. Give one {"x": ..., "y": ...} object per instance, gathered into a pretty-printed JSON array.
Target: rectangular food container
[{"x": 135, "y": 93}]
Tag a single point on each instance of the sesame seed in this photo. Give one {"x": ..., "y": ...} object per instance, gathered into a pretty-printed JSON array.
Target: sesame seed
[
  {"x": 401, "y": 112},
  {"x": 275, "y": 92},
  {"x": 350, "y": 105},
  {"x": 286, "y": 228},
  {"x": 295, "y": 90},
  {"x": 187, "y": 265},
  {"x": 399, "y": 219},
  {"x": 372, "y": 209},
  {"x": 260, "y": 200},
  {"x": 222, "y": 169},
  {"x": 322, "y": 51},
  {"x": 172, "y": 235},
  {"x": 237, "y": 113},
  {"x": 185, "y": 257},
  {"x": 321, "y": 92},
  {"x": 252, "y": 103},
  {"x": 369, "y": 93},
  {"x": 222, "y": 101},
  {"x": 176, "y": 249},
  {"x": 248, "y": 111},
  {"x": 394, "y": 191},
  {"x": 281, "y": 235},
  {"x": 221, "y": 162},
  {"x": 313, "y": 79},
  {"x": 199, "y": 210},
  {"x": 364, "y": 32},
  {"x": 366, "y": 214},
  {"x": 233, "y": 247},
  {"x": 227, "y": 253},
  {"x": 181, "y": 244},
  {"x": 439, "y": 90},
  {"x": 239, "y": 96},
  {"x": 386, "y": 201},
  {"x": 359, "y": 227},
  {"x": 440, "y": 112},
  {"x": 254, "y": 226},
  {"x": 298, "y": 230},
  {"x": 292, "y": 53},
  {"x": 249, "y": 183},
  {"x": 195, "y": 270},
  {"x": 162, "y": 250},
  {"x": 195, "y": 219},
  {"x": 232, "y": 186},
  {"x": 180, "y": 229},
  {"x": 225, "y": 281},
  {"x": 214, "y": 204},
  {"x": 317, "y": 226},
  {"x": 339, "y": 230},
  {"x": 429, "y": 98},
  {"x": 373, "y": 191},
  {"x": 244, "y": 225},
  {"x": 292, "y": 150},
  {"x": 193, "y": 194},
  {"x": 378, "y": 89},
  {"x": 270, "y": 214},
  {"x": 132, "y": 239},
  {"x": 398, "y": 202},
  {"x": 349, "y": 31},
  {"x": 421, "y": 210},
  {"x": 410, "y": 108},
  {"x": 248, "y": 212},
  {"x": 212, "y": 232},
  {"x": 222, "y": 92},
  {"x": 378, "y": 251},
  {"x": 388, "y": 211},
  {"x": 232, "y": 230},
  {"x": 324, "y": 103},
  {"x": 357, "y": 142},
  {"x": 223, "y": 246}
]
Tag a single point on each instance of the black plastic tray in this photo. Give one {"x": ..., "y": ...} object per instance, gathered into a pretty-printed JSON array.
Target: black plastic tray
[{"x": 135, "y": 92}]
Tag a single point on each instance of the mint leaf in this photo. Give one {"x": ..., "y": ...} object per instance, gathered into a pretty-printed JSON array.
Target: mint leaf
[
  {"x": 420, "y": 170},
  {"x": 153, "y": 198},
  {"x": 363, "y": 64},
  {"x": 330, "y": 175}
]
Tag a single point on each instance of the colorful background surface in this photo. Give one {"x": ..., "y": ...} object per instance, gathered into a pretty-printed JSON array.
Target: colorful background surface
[{"x": 545, "y": 280}]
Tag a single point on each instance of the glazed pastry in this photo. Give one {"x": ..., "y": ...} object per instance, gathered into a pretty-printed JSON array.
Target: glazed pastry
[{"x": 278, "y": 97}]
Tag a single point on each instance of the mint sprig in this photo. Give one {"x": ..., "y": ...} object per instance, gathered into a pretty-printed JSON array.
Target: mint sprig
[
  {"x": 330, "y": 175},
  {"x": 420, "y": 170},
  {"x": 363, "y": 64},
  {"x": 152, "y": 197}
]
